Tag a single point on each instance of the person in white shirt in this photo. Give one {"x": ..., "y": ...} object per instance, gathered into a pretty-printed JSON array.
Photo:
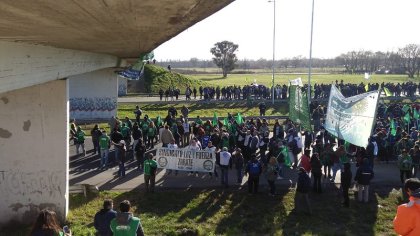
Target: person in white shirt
[
  {"x": 194, "y": 145},
  {"x": 186, "y": 135},
  {"x": 172, "y": 145},
  {"x": 212, "y": 148},
  {"x": 224, "y": 165}
]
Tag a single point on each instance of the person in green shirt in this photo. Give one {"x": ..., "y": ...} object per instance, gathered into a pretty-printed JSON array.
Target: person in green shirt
[
  {"x": 150, "y": 167},
  {"x": 151, "y": 133},
  {"x": 126, "y": 133},
  {"x": 125, "y": 224},
  {"x": 198, "y": 120},
  {"x": 104, "y": 145},
  {"x": 80, "y": 140}
]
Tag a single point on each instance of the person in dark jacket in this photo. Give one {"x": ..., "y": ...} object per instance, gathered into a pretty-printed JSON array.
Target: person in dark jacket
[
  {"x": 103, "y": 219},
  {"x": 238, "y": 163},
  {"x": 302, "y": 189},
  {"x": 316, "y": 167},
  {"x": 254, "y": 169},
  {"x": 363, "y": 176},
  {"x": 345, "y": 184}
]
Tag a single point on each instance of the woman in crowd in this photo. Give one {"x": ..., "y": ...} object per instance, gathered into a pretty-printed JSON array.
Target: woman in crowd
[{"x": 47, "y": 224}]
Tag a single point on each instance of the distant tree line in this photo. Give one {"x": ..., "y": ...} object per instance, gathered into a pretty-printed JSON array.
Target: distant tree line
[{"x": 405, "y": 60}]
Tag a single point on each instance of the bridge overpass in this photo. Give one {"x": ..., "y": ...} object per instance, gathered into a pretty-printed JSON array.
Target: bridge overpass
[{"x": 53, "y": 53}]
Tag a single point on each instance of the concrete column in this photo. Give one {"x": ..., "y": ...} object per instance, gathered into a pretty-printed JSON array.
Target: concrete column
[
  {"x": 34, "y": 132},
  {"x": 122, "y": 86},
  {"x": 93, "y": 95}
]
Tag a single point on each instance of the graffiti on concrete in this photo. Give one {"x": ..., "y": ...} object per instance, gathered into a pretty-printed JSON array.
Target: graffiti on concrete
[
  {"x": 43, "y": 183},
  {"x": 93, "y": 104},
  {"x": 122, "y": 88}
]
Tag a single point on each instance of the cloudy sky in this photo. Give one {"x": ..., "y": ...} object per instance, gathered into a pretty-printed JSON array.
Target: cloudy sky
[{"x": 339, "y": 26}]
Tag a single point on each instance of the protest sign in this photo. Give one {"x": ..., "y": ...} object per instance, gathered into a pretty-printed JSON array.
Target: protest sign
[
  {"x": 351, "y": 118},
  {"x": 186, "y": 159}
]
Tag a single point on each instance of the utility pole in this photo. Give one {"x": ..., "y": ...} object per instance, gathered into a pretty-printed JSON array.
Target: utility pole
[
  {"x": 274, "y": 47},
  {"x": 310, "y": 55}
]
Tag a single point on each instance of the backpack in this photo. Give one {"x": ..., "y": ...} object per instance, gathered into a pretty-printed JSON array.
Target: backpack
[{"x": 254, "y": 168}]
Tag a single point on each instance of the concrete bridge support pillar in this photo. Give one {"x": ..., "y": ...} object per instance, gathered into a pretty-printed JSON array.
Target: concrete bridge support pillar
[
  {"x": 34, "y": 151},
  {"x": 93, "y": 95},
  {"x": 122, "y": 86}
]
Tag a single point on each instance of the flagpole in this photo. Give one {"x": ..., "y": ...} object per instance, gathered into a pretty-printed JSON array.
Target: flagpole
[
  {"x": 310, "y": 55},
  {"x": 274, "y": 47}
]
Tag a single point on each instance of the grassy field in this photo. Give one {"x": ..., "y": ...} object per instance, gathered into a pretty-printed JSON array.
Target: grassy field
[
  {"x": 204, "y": 109},
  {"x": 265, "y": 78},
  {"x": 234, "y": 212}
]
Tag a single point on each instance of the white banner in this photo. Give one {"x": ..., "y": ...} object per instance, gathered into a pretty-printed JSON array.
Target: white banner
[
  {"x": 186, "y": 159},
  {"x": 297, "y": 82},
  {"x": 351, "y": 118}
]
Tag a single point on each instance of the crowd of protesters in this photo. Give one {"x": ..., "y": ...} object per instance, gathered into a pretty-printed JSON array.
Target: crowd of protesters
[
  {"x": 395, "y": 138},
  {"x": 255, "y": 148},
  {"x": 255, "y": 91}
]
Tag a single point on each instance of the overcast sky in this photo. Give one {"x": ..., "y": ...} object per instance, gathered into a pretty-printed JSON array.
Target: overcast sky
[{"x": 339, "y": 26}]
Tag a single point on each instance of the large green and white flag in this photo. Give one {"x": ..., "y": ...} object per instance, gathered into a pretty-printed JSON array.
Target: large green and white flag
[
  {"x": 351, "y": 118},
  {"x": 298, "y": 107}
]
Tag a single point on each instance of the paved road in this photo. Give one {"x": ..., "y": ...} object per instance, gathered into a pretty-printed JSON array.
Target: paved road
[{"x": 83, "y": 170}]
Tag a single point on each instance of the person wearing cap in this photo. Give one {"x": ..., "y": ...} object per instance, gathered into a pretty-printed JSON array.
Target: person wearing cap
[
  {"x": 224, "y": 165},
  {"x": 407, "y": 219}
]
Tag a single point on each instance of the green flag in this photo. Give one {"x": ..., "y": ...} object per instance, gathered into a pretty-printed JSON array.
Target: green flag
[
  {"x": 225, "y": 122},
  {"x": 405, "y": 108},
  {"x": 416, "y": 114},
  {"x": 393, "y": 129},
  {"x": 215, "y": 119},
  {"x": 239, "y": 119},
  {"x": 158, "y": 121},
  {"x": 298, "y": 107},
  {"x": 387, "y": 92},
  {"x": 407, "y": 118},
  {"x": 285, "y": 152}
]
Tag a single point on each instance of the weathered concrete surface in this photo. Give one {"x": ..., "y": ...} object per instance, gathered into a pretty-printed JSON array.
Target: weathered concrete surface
[
  {"x": 93, "y": 95},
  {"x": 33, "y": 151},
  {"x": 24, "y": 65},
  {"x": 121, "y": 28}
]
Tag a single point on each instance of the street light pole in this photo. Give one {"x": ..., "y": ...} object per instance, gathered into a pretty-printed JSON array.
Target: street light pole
[
  {"x": 274, "y": 47},
  {"x": 310, "y": 55}
]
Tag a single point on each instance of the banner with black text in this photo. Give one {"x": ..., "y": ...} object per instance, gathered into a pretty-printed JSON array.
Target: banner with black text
[{"x": 184, "y": 159}]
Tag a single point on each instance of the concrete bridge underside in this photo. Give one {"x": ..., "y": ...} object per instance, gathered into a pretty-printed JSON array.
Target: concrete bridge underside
[{"x": 45, "y": 47}]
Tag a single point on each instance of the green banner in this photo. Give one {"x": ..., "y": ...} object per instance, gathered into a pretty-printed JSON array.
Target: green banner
[{"x": 298, "y": 107}]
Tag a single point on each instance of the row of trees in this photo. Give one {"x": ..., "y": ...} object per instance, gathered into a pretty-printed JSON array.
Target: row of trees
[{"x": 405, "y": 60}]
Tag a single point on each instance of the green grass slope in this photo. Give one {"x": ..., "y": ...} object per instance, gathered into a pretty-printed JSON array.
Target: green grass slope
[{"x": 157, "y": 77}]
